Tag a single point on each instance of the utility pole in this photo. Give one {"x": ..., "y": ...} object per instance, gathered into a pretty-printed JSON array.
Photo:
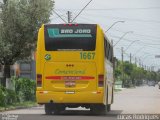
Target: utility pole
[
  {"x": 135, "y": 61},
  {"x": 122, "y": 67},
  {"x": 69, "y": 16},
  {"x": 139, "y": 62},
  {"x": 130, "y": 58}
]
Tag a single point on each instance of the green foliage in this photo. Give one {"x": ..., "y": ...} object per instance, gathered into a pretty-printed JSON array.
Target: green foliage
[
  {"x": 19, "y": 23},
  {"x": 7, "y": 96},
  {"x": 128, "y": 68},
  {"x": 2, "y": 96},
  {"x": 134, "y": 75},
  {"x": 118, "y": 70},
  {"x": 24, "y": 91}
]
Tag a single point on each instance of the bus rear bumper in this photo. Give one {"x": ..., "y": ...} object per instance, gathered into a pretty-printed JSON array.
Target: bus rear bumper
[{"x": 69, "y": 97}]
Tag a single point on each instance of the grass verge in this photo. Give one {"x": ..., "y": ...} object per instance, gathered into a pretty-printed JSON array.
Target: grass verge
[
  {"x": 117, "y": 90},
  {"x": 25, "y": 104}
]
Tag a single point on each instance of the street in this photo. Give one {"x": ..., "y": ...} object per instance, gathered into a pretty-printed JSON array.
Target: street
[
  {"x": 101, "y": 55},
  {"x": 139, "y": 100}
]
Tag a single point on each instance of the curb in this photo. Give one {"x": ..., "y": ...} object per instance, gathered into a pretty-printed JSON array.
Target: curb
[{"x": 18, "y": 107}]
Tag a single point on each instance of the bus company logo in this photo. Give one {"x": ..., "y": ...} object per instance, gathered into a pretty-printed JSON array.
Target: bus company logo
[
  {"x": 47, "y": 57},
  {"x": 77, "y": 31},
  {"x": 55, "y": 33},
  {"x": 65, "y": 72}
]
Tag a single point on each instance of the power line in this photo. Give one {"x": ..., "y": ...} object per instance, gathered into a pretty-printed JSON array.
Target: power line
[
  {"x": 104, "y": 9},
  {"x": 124, "y": 32},
  {"x": 148, "y": 45},
  {"x": 128, "y": 55},
  {"x": 139, "y": 34},
  {"x": 59, "y": 16},
  {"x": 133, "y": 33},
  {"x": 88, "y": 19},
  {"x": 81, "y": 10},
  {"x": 54, "y": 18},
  {"x": 122, "y": 18},
  {"x": 148, "y": 36}
]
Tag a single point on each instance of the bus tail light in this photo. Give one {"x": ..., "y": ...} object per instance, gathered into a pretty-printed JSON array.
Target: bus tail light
[
  {"x": 100, "y": 80},
  {"x": 39, "y": 80}
]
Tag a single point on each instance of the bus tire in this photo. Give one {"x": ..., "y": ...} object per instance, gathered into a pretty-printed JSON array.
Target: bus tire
[
  {"x": 112, "y": 95},
  {"x": 48, "y": 109},
  {"x": 98, "y": 109},
  {"x": 104, "y": 110},
  {"x": 58, "y": 109},
  {"x": 108, "y": 107},
  {"x": 57, "y": 112}
]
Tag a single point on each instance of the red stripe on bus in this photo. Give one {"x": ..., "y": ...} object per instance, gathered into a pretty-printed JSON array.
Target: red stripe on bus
[
  {"x": 70, "y": 77},
  {"x": 53, "y": 77},
  {"x": 86, "y": 77}
]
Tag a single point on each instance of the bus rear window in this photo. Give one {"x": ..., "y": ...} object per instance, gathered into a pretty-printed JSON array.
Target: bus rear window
[{"x": 75, "y": 37}]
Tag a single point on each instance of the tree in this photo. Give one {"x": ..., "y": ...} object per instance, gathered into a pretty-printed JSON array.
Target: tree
[
  {"x": 128, "y": 68},
  {"x": 134, "y": 75},
  {"x": 118, "y": 69},
  {"x": 19, "y": 23}
]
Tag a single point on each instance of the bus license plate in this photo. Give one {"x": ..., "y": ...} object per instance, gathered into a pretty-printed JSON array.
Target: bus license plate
[
  {"x": 69, "y": 92},
  {"x": 70, "y": 83}
]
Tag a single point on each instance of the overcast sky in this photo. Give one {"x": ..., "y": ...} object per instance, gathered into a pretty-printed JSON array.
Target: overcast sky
[{"x": 140, "y": 16}]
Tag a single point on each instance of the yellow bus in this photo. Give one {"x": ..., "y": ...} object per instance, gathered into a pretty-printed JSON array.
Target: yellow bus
[{"x": 74, "y": 67}]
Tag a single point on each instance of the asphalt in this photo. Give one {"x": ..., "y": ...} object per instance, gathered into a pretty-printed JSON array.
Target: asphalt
[{"x": 144, "y": 100}]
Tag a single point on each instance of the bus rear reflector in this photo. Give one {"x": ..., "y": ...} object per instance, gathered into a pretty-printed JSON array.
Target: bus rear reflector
[
  {"x": 39, "y": 80},
  {"x": 100, "y": 80}
]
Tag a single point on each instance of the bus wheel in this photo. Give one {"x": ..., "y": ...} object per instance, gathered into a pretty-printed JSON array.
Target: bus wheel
[
  {"x": 108, "y": 107},
  {"x": 58, "y": 109},
  {"x": 48, "y": 109},
  {"x": 57, "y": 112},
  {"x": 99, "y": 109}
]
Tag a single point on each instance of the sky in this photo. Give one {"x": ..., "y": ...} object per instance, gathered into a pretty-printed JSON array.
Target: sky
[{"x": 140, "y": 16}]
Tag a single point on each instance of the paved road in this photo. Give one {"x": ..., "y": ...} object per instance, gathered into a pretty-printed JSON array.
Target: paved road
[{"x": 138, "y": 100}]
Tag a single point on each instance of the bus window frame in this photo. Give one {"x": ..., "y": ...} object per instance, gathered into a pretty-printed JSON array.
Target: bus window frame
[
  {"x": 108, "y": 50},
  {"x": 94, "y": 39}
]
